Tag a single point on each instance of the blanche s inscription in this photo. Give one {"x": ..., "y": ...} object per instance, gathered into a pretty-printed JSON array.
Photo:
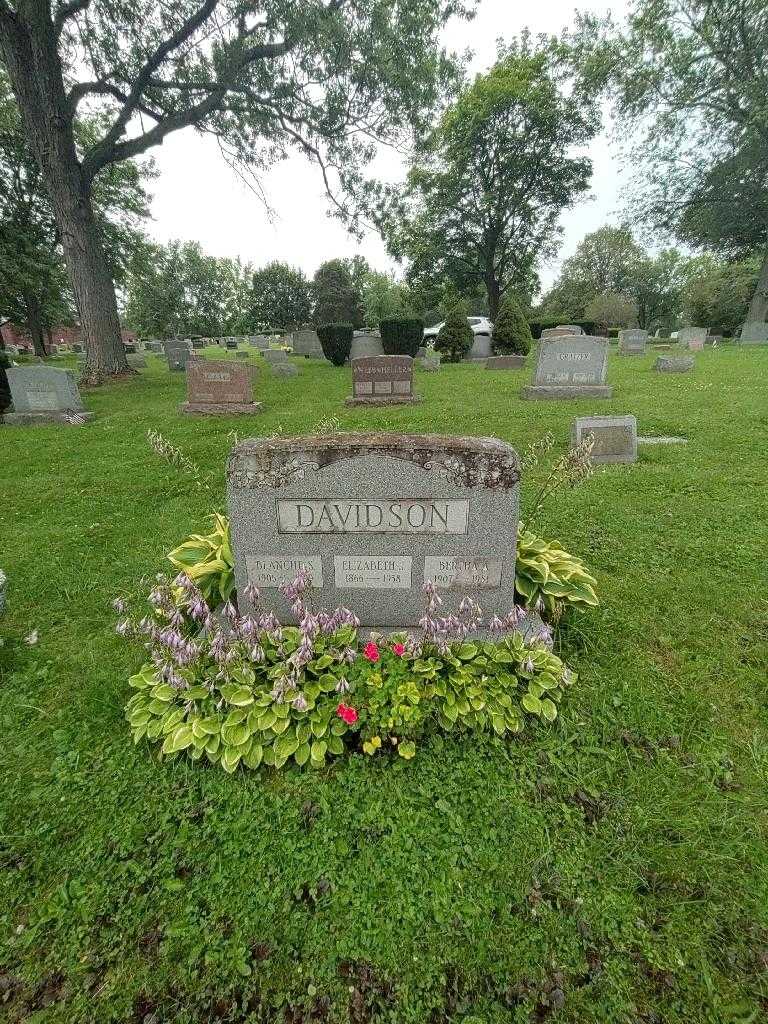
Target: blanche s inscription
[{"x": 374, "y": 515}]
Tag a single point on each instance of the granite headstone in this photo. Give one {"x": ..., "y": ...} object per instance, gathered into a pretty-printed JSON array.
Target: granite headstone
[
  {"x": 673, "y": 364},
  {"x": 754, "y": 332},
  {"x": 692, "y": 338},
  {"x": 219, "y": 388},
  {"x": 570, "y": 366},
  {"x": 632, "y": 342},
  {"x": 510, "y": 362},
  {"x": 382, "y": 380},
  {"x": 371, "y": 517},
  {"x": 42, "y": 394}
]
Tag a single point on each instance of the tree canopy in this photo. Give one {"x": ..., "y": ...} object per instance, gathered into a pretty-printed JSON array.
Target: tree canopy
[
  {"x": 329, "y": 78},
  {"x": 486, "y": 191},
  {"x": 280, "y": 297},
  {"x": 690, "y": 84}
]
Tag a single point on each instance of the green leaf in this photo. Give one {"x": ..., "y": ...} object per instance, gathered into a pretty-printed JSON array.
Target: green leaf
[
  {"x": 254, "y": 756},
  {"x": 164, "y": 692},
  {"x": 406, "y": 749},
  {"x": 531, "y": 703},
  {"x": 467, "y": 652},
  {"x": 230, "y": 759},
  {"x": 301, "y": 755},
  {"x": 549, "y": 709},
  {"x": 179, "y": 739}
]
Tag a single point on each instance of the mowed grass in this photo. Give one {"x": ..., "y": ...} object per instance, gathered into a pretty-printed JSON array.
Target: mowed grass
[{"x": 611, "y": 867}]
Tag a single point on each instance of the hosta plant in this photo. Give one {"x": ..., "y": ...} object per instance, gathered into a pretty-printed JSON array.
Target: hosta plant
[
  {"x": 549, "y": 578},
  {"x": 245, "y": 690},
  {"x": 207, "y": 560}
]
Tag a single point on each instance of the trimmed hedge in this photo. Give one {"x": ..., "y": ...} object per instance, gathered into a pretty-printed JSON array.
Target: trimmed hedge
[
  {"x": 511, "y": 333},
  {"x": 402, "y": 336},
  {"x": 456, "y": 336},
  {"x": 336, "y": 342}
]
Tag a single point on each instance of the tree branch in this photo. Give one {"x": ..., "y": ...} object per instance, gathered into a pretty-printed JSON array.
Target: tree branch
[{"x": 66, "y": 12}]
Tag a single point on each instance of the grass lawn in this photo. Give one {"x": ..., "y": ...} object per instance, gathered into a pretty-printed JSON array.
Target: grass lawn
[{"x": 610, "y": 867}]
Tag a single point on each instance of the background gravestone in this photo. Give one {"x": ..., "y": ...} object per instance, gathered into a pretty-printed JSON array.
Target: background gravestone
[
  {"x": 615, "y": 437},
  {"x": 570, "y": 366},
  {"x": 754, "y": 332},
  {"x": 673, "y": 364},
  {"x": 275, "y": 355},
  {"x": 364, "y": 345},
  {"x": 632, "y": 342},
  {"x": 219, "y": 388},
  {"x": 513, "y": 362},
  {"x": 692, "y": 338},
  {"x": 285, "y": 369},
  {"x": 382, "y": 380},
  {"x": 562, "y": 331},
  {"x": 371, "y": 517},
  {"x": 42, "y": 394},
  {"x": 137, "y": 361},
  {"x": 178, "y": 356},
  {"x": 481, "y": 349},
  {"x": 307, "y": 343}
]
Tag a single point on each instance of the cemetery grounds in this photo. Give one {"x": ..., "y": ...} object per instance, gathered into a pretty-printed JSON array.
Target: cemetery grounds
[{"x": 608, "y": 867}]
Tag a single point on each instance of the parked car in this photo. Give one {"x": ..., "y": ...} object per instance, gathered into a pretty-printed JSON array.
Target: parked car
[{"x": 479, "y": 325}]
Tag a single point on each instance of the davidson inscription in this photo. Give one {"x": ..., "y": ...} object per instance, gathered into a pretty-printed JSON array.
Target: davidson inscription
[{"x": 377, "y": 515}]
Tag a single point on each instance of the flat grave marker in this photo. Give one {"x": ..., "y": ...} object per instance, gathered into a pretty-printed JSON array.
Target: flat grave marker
[
  {"x": 615, "y": 437},
  {"x": 673, "y": 364}
]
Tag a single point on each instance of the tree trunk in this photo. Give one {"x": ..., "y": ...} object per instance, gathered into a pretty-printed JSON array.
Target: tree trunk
[
  {"x": 35, "y": 323},
  {"x": 758, "y": 307},
  {"x": 29, "y": 48},
  {"x": 493, "y": 288}
]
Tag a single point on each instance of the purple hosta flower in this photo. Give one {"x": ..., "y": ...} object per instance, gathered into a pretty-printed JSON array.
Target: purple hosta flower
[
  {"x": 175, "y": 680},
  {"x": 342, "y": 686},
  {"x": 528, "y": 664},
  {"x": 176, "y": 619},
  {"x": 433, "y": 599},
  {"x": 246, "y": 628},
  {"x": 257, "y": 653},
  {"x": 120, "y": 606},
  {"x": 183, "y": 581},
  {"x": 197, "y": 608},
  {"x": 282, "y": 685},
  {"x": 349, "y": 655},
  {"x": 252, "y": 593},
  {"x": 229, "y": 612},
  {"x": 324, "y": 622},
  {"x": 300, "y": 703},
  {"x": 269, "y": 623},
  {"x": 210, "y": 624},
  {"x": 219, "y": 649},
  {"x": 496, "y": 625},
  {"x": 123, "y": 628}
]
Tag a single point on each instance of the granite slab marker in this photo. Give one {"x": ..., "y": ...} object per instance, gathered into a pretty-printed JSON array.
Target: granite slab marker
[
  {"x": 511, "y": 362},
  {"x": 219, "y": 388},
  {"x": 673, "y": 364},
  {"x": 570, "y": 366},
  {"x": 754, "y": 332},
  {"x": 632, "y": 342},
  {"x": 615, "y": 437},
  {"x": 692, "y": 338},
  {"x": 42, "y": 395},
  {"x": 382, "y": 380},
  {"x": 372, "y": 516}
]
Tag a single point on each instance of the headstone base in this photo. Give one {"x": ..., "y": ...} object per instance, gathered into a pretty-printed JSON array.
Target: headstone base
[
  {"x": 34, "y": 419},
  {"x": 221, "y": 409},
  {"x": 537, "y": 391},
  {"x": 385, "y": 400}
]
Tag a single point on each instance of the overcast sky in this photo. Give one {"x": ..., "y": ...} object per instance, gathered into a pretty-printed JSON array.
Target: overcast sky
[{"x": 199, "y": 197}]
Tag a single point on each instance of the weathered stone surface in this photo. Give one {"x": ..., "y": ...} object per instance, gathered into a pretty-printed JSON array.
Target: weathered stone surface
[
  {"x": 231, "y": 342},
  {"x": 219, "y": 388},
  {"x": 632, "y": 342},
  {"x": 178, "y": 356},
  {"x": 673, "y": 364},
  {"x": 137, "y": 361},
  {"x": 372, "y": 516},
  {"x": 275, "y": 355},
  {"x": 285, "y": 369},
  {"x": 562, "y": 331},
  {"x": 42, "y": 394},
  {"x": 692, "y": 338},
  {"x": 307, "y": 343},
  {"x": 364, "y": 345},
  {"x": 511, "y": 362},
  {"x": 258, "y": 341},
  {"x": 570, "y": 366},
  {"x": 754, "y": 332},
  {"x": 615, "y": 437},
  {"x": 431, "y": 362},
  {"x": 382, "y": 380},
  {"x": 662, "y": 439},
  {"x": 481, "y": 349}
]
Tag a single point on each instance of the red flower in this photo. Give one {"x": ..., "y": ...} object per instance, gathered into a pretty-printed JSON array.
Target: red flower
[
  {"x": 347, "y": 713},
  {"x": 371, "y": 652},
  {"x": 399, "y": 649}
]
